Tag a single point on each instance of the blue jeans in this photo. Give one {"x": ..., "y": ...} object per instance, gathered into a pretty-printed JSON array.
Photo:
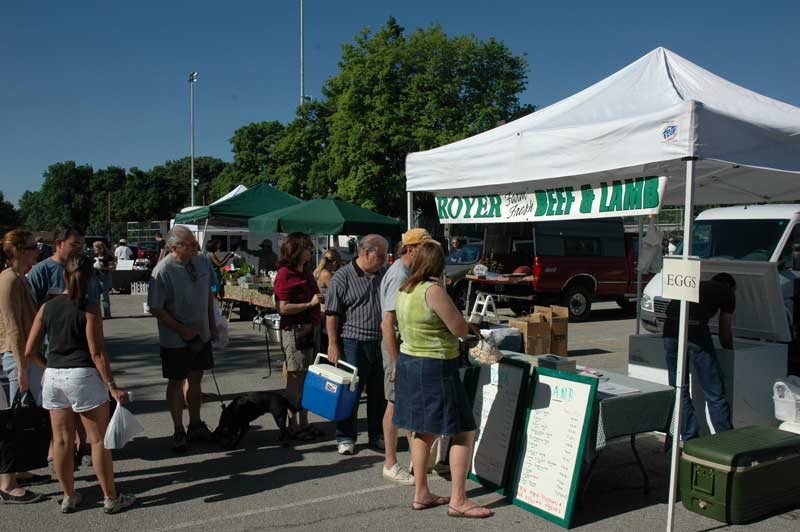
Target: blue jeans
[
  {"x": 705, "y": 368},
  {"x": 366, "y": 356},
  {"x": 34, "y": 378},
  {"x": 104, "y": 278}
]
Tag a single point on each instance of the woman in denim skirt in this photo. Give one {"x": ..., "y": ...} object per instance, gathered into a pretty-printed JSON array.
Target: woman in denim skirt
[{"x": 430, "y": 398}]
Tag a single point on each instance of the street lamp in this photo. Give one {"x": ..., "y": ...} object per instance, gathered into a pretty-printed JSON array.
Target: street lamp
[{"x": 192, "y": 81}]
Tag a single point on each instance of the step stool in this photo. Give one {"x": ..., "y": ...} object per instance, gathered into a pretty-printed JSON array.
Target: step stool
[{"x": 488, "y": 310}]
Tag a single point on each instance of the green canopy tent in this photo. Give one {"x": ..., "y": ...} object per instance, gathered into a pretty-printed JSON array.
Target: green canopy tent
[
  {"x": 257, "y": 200},
  {"x": 326, "y": 216}
]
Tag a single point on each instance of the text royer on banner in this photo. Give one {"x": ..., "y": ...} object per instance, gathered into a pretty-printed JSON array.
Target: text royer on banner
[{"x": 621, "y": 197}]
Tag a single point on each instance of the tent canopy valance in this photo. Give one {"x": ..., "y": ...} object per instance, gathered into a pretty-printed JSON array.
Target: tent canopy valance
[
  {"x": 641, "y": 121},
  {"x": 326, "y": 216},
  {"x": 259, "y": 199}
]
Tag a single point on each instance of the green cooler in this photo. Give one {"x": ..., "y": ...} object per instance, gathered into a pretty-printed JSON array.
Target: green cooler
[{"x": 741, "y": 475}]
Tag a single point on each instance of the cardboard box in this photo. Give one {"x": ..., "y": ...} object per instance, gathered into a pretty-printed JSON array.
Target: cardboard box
[
  {"x": 558, "y": 320},
  {"x": 535, "y": 333}
]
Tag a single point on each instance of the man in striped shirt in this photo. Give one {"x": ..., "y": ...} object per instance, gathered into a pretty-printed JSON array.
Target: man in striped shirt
[{"x": 353, "y": 309}]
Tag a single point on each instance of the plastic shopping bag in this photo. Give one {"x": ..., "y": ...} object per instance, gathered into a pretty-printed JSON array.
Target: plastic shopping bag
[
  {"x": 221, "y": 341},
  {"x": 123, "y": 428}
]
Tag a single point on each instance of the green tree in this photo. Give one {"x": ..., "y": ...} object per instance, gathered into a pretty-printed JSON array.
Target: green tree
[
  {"x": 9, "y": 216},
  {"x": 397, "y": 93},
  {"x": 168, "y": 186},
  {"x": 253, "y": 157},
  {"x": 64, "y": 198},
  {"x": 301, "y": 153}
]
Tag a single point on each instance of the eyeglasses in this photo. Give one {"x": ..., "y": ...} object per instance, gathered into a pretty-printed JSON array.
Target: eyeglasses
[{"x": 192, "y": 271}]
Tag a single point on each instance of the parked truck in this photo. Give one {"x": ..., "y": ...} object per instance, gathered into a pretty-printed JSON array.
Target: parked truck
[{"x": 572, "y": 263}]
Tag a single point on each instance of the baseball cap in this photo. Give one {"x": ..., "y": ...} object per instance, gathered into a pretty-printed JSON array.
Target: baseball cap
[{"x": 412, "y": 237}]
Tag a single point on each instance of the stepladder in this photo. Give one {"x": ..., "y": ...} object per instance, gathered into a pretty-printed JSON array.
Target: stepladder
[{"x": 484, "y": 309}]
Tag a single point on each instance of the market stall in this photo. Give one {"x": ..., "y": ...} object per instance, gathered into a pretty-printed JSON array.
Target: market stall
[{"x": 705, "y": 139}]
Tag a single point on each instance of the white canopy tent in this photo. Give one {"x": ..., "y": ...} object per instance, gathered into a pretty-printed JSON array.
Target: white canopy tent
[{"x": 717, "y": 143}]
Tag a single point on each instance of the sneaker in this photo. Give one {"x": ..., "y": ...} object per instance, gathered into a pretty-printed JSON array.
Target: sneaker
[
  {"x": 199, "y": 432},
  {"x": 346, "y": 448},
  {"x": 377, "y": 443},
  {"x": 33, "y": 480},
  {"x": 70, "y": 504},
  {"x": 398, "y": 474},
  {"x": 26, "y": 498},
  {"x": 113, "y": 506},
  {"x": 179, "y": 441}
]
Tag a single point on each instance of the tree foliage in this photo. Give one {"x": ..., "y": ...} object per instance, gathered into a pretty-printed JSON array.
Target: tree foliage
[{"x": 9, "y": 216}]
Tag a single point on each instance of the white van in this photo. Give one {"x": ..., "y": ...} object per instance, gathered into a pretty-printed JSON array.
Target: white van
[{"x": 748, "y": 232}]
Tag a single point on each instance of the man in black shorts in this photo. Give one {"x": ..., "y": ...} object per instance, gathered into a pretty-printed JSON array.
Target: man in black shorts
[{"x": 180, "y": 298}]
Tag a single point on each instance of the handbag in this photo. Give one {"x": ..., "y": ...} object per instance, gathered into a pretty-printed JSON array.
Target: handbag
[{"x": 25, "y": 435}]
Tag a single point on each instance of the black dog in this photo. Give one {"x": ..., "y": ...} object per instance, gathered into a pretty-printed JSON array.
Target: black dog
[{"x": 235, "y": 420}]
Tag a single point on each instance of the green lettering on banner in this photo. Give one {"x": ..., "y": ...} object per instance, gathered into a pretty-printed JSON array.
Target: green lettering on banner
[
  {"x": 615, "y": 204},
  {"x": 541, "y": 203},
  {"x": 482, "y": 203},
  {"x": 570, "y": 199},
  {"x": 495, "y": 202},
  {"x": 587, "y": 199},
  {"x": 469, "y": 201},
  {"x": 603, "y": 196},
  {"x": 560, "y": 200},
  {"x": 441, "y": 206},
  {"x": 633, "y": 193},
  {"x": 551, "y": 202},
  {"x": 455, "y": 200},
  {"x": 651, "y": 200}
]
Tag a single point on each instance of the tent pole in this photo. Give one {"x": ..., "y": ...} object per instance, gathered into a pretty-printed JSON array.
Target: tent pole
[
  {"x": 688, "y": 218},
  {"x": 410, "y": 212},
  {"x": 203, "y": 243},
  {"x": 639, "y": 278}
]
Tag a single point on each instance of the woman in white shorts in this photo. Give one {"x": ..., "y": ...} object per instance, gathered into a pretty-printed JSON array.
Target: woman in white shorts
[{"x": 77, "y": 379}]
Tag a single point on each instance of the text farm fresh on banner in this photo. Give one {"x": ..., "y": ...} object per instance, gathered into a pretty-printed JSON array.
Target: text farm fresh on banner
[{"x": 623, "y": 197}]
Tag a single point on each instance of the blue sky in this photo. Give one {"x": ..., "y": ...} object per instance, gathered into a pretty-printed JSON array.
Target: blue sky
[{"x": 105, "y": 82}]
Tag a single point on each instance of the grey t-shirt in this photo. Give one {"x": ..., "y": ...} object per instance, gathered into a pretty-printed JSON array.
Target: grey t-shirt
[
  {"x": 181, "y": 290},
  {"x": 47, "y": 280},
  {"x": 390, "y": 284}
]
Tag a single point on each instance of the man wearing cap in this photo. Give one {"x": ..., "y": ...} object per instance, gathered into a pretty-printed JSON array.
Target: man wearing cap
[
  {"x": 390, "y": 346},
  {"x": 123, "y": 252}
]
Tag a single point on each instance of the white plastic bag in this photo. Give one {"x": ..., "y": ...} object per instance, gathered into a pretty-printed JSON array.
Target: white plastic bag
[
  {"x": 222, "y": 328},
  {"x": 123, "y": 428},
  {"x": 650, "y": 256}
]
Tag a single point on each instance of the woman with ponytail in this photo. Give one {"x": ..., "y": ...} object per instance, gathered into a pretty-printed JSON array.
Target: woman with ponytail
[
  {"x": 17, "y": 310},
  {"x": 77, "y": 380}
]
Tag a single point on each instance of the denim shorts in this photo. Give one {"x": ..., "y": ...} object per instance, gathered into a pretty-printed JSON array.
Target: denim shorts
[
  {"x": 81, "y": 389},
  {"x": 430, "y": 397}
]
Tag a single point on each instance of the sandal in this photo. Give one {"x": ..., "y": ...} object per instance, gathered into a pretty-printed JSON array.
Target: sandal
[
  {"x": 476, "y": 512},
  {"x": 433, "y": 503}
]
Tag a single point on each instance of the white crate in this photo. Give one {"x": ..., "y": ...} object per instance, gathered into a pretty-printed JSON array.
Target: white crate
[{"x": 139, "y": 288}]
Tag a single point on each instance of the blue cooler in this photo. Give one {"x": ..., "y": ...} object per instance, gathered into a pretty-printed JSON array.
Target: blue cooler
[{"x": 330, "y": 391}]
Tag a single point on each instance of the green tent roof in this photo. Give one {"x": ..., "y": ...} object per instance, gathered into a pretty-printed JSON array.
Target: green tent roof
[
  {"x": 328, "y": 216},
  {"x": 260, "y": 199}
]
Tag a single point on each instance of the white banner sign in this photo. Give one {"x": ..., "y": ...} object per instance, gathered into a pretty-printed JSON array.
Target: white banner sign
[
  {"x": 604, "y": 199},
  {"x": 680, "y": 279}
]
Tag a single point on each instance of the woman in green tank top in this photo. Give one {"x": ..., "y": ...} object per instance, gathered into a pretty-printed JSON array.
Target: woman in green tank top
[{"x": 430, "y": 399}]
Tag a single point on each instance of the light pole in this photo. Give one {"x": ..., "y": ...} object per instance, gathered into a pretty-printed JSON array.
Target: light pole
[
  {"x": 302, "y": 88},
  {"x": 192, "y": 81}
]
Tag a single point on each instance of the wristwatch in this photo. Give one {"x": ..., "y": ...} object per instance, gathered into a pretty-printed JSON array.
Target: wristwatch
[{"x": 111, "y": 384}]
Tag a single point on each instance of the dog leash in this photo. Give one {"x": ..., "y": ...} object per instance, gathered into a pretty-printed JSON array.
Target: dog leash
[{"x": 219, "y": 394}]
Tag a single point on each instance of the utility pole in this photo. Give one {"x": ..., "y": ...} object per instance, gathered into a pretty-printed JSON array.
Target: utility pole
[
  {"x": 192, "y": 81},
  {"x": 302, "y": 87}
]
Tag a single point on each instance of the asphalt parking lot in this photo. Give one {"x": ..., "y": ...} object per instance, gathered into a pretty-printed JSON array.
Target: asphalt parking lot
[{"x": 263, "y": 485}]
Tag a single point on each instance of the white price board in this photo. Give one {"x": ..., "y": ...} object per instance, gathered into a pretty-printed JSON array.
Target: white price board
[
  {"x": 496, "y": 407},
  {"x": 551, "y": 449}
]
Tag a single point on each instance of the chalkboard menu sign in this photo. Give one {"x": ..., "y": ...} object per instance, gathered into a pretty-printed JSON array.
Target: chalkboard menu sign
[
  {"x": 552, "y": 443},
  {"x": 498, "y": 405}
]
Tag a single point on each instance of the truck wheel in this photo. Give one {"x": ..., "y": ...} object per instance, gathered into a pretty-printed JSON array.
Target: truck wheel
[
  {"x": 578, "y": 300},
  {"x": 628, "y": 306}
]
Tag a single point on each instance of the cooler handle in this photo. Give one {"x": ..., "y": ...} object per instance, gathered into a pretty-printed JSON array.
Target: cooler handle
[{"x": 345, "y": 364}]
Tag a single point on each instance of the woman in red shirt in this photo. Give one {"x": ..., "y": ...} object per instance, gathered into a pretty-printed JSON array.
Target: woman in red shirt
[{"x": 299, "y": 306}]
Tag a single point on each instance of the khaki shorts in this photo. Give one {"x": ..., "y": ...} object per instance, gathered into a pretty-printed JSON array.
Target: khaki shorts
[
  {"x": 388, "y": 386},
  {"x": 300, "y": 345}
]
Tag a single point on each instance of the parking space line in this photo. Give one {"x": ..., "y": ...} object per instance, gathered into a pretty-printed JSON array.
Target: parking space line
[{"x": 205, "y": 522}]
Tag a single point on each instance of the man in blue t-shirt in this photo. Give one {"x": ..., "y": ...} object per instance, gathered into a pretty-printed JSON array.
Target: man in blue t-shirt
[{"x": 47, "y": 277}]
